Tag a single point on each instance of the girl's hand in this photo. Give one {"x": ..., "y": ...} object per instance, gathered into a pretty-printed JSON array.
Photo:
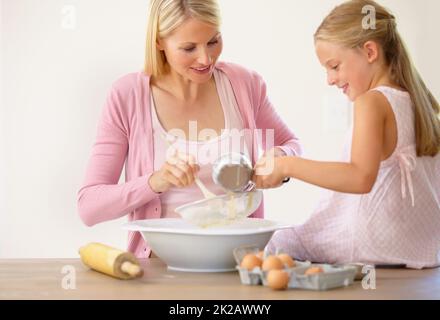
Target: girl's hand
[
  {"x": 269, "y": 172},
  {"x": 178, "y": 171}
]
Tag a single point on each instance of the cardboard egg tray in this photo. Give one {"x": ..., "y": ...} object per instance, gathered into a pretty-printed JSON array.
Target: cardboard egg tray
[
  {"x": 333, "y": 276},
  {"x": 247, "y": 277},
  {"x": 257, "y": 276}
]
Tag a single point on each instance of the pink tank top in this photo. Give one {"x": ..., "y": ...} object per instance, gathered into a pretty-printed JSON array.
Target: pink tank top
[{"x": 205, "y": 152}]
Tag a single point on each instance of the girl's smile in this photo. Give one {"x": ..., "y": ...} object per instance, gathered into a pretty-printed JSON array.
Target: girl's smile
[{"x": 344, "y": 88}]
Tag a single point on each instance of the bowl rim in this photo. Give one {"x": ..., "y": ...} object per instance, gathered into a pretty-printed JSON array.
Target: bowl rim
[{"x": 194, "y": 230}]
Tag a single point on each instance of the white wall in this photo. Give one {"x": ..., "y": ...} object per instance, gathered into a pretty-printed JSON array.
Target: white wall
[
  {"x": 2, "y": 137},
  {"x": 56, "y": 72}
]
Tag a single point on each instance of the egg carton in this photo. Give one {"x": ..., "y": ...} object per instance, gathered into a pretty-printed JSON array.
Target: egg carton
[
  {"x": 250, "y": 277},
  {"x": 359, "y": 271},
  {"x": 300, "y": 267},
  {"x": 240, "y": 252},
  {"x": 331, "y": 277},
  {"x": 247, "y": 277},
  {"x": 257, "y": 276}
]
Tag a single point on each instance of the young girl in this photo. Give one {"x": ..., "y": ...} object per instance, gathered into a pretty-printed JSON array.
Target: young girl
[{"x": 384, "y": 207}]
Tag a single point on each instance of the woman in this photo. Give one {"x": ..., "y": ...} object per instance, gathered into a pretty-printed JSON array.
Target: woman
[{"x": 184, "y": 99}]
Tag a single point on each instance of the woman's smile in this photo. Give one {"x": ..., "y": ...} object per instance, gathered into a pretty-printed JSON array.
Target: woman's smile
[{"x": 202, "y": 70}]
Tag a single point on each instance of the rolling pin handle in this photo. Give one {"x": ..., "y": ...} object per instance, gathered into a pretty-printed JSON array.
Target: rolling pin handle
[{"x": 130, "y": 268}]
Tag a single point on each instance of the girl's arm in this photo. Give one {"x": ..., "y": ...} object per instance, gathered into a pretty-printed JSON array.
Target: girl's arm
[{"x": 357, "y": 176}]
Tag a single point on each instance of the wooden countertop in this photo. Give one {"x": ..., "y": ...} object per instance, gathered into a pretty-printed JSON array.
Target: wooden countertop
[{"x": 43, "y": 279}]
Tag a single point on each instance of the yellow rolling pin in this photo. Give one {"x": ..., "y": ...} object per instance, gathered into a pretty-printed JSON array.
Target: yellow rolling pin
[{"x": 111, "y": 261}]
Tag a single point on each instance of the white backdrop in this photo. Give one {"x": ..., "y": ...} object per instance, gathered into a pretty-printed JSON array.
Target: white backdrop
[{"x": 59, "y": 58}]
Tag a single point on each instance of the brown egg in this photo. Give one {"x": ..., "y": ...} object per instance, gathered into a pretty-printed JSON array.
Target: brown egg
[
  {"x": 250, "y": 261},
  {"x": 313, "y": 270},
  {"x": 261, "y": 255},
  {"x": 272, "y": 263},
  {"x": 287, "y": 260},
  {"x": 277, "y": 279}
]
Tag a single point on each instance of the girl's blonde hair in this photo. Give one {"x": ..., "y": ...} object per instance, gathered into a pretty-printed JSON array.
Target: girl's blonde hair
[
  {"x": 167, "y": 15},
  {"x": 346, "y": 25}
]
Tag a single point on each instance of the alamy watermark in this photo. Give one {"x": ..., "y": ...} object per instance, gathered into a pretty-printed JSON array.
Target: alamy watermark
[
  {"x": 369, "y": 280},
  {"x": 369, "y": 21},
  {"x": 229, "y": 141},
  {"x": 68, "y": 17},
  {"x": 68, "y": 282}
]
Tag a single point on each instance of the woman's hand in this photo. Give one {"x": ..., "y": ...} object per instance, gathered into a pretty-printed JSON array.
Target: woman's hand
[
  {"x": 178, "y": 171},
  {"x": 269, "y": 170}
]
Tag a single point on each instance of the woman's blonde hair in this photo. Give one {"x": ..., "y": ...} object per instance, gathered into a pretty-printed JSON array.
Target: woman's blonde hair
[
  {"x": 167, "y": 15},
  {"x": 346, "y": 25}
]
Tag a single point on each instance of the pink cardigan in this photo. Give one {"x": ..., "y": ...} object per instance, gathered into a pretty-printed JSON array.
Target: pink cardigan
[{"x": 125, "y": 137}]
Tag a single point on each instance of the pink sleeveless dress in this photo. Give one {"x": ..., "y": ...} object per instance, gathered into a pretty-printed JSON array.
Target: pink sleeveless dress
[{"x": 398, "y": 222}]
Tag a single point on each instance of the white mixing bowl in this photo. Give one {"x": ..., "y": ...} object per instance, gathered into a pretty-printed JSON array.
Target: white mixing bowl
[{"x": 185, "y": 247}]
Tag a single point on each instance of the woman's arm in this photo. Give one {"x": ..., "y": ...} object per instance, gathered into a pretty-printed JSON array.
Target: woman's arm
[
  {"x": 101, "y": 198},
  {"x": 357, "y": 176}
]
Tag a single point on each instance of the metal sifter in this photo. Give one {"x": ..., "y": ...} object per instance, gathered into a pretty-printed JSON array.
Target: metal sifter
[{"x": 233, "y": 172}]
